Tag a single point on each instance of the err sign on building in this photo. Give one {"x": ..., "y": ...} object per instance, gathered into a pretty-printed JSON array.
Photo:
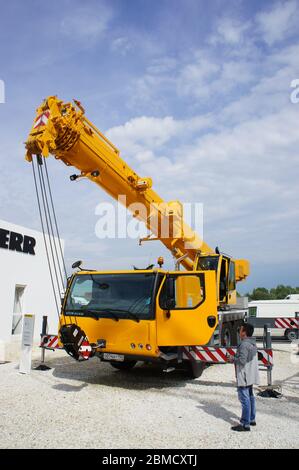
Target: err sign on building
[{"x": 25, "y": 286}]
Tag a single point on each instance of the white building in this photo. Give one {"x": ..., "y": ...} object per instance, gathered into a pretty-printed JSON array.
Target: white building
[{"x": 25, "y": 286}]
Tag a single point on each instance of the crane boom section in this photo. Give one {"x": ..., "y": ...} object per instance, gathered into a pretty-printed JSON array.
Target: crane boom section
[{"x": 62, "y": 129}]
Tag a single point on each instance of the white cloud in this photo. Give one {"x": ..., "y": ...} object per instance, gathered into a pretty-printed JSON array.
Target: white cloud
[
  {"x": 121, "y": 45},
  {"x": 195, "y": 78},
  {"x": 139, "y": 137},
  {"x": 230, "y": 31},
  {"x": 205, "y": 77},
  {"x": 278, "y": 23},
  {"x": 162, "y": 65},
  {"x": 143, "y": 130},
  {"x": 200, "y": 73},
  {"x": 287, "y": 56},
  {"x": 145, "y": 156},
  {"x": 229, "y": 61},
  {"x": 269, "y": 95},
  {"x": 148, "y": 91},
  {"x": 85, "y": 23}
]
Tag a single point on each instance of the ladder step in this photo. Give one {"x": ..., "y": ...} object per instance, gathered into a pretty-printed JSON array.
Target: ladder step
[{"x": 169, "y": 369}]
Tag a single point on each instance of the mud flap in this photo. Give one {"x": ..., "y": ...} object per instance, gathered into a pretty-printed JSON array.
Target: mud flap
[{"x": 75, "y": 342}]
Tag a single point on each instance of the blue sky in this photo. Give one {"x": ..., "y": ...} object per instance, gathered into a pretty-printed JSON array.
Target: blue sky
[{"x": 195, "y": 94}]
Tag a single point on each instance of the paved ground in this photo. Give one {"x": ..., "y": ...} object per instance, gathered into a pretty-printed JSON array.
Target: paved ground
[{"x": 91, "y": 405}]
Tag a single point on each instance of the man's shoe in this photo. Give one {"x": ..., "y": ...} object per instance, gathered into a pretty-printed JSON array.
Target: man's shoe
[
  {"x": 239, "y": 428},
  {"x": 253, "y": 423}
]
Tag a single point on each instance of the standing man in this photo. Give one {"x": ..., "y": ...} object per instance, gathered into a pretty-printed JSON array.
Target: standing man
[{"x": 247, "y": 374}]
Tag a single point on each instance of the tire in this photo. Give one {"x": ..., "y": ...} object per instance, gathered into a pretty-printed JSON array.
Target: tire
[
  {"x": 195, "y": 369},
  {"x": 236, "y": 332},
  {"x": 125, "y": 365},
  {"x": 291, "y": 335},
  {"x": 228, "y": 337}
]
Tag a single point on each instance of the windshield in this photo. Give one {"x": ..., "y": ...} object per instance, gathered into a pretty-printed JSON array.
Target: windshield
[
  {"x": 208, "y": 263},
  {"x": 112, "y": 296}
]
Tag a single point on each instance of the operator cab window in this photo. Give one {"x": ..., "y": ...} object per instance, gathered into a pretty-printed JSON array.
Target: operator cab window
[
  {"x": 231, "y": 276},
  {"x": 208, "y": 263}
]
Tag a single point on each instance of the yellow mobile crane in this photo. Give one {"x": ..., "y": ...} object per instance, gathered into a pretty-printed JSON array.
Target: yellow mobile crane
[{"x": 150, "y": 314}]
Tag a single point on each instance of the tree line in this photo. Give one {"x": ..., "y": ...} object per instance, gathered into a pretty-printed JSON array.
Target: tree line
[{"x": 279, "y": 292}]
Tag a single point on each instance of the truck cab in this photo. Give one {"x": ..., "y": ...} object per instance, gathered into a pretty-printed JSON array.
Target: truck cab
[{"x": 138, "y": 313}]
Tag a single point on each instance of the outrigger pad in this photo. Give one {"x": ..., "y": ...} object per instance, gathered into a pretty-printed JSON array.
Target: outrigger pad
[
  {"x": 73, "y": 338},
  {"x": 270, "y": 393}
]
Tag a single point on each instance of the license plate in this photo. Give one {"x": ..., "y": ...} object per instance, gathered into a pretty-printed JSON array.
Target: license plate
[{"x": 113, "y": 357}]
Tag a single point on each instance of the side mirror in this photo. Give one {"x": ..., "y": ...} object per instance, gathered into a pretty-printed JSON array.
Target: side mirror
[
  {"x": 169, "y": 303},
  {"x": 77, "y": 264}
]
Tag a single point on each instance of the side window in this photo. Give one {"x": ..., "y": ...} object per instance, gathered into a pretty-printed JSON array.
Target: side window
[
  {"x": 252, "y": 311},
  {"x": 182, "y": 292},
  {"x": 231, "y": 276}
]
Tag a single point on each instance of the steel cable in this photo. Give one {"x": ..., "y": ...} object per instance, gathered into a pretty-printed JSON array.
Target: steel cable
[
  {"x": 52, "y": 238},
  {"x": 44, "y": 235},
  {"x": 48, "y": 230},
  {"x": 55, "y": 220}
]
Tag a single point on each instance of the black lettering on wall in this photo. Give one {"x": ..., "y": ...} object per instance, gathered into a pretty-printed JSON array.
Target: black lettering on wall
[
  {"x": 15, "y": 242},
  {"x": 4, "y": 238},
  {"x": 29, "y": 244}
]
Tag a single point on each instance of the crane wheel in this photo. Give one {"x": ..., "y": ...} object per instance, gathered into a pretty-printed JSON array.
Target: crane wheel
[
  {"x": 195, "y": 369},
  {"x": 227, "y": 335},
  {"x": 236, "y": 332},
  {"x": 125, "y": 365}
]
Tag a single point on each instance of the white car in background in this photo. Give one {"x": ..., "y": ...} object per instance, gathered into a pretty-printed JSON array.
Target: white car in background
[{"x": 261, "y": 312}]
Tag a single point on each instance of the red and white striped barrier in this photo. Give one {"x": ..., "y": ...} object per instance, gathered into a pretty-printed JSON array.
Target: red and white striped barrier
[
  {"x": 219, "y": 355},
  {"x": 265, "y": 356},
  {"x": 52, "y": 342},
  {"x": 287, "y": 323}
]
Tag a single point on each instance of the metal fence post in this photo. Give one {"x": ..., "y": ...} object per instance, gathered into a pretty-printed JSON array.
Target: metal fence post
[
  {"x": 268, "y": 345},
  {"x": 297, "y": 331},
  {"x": 42, "y": 365},
  {"x": 271, "y": 391}
]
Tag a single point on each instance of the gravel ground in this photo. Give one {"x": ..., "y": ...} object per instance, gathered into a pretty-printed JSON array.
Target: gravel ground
[{"x": 91, "y": 405}]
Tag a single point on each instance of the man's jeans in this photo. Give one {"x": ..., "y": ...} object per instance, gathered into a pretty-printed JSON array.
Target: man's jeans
[{"x": 247, "y": 400}]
